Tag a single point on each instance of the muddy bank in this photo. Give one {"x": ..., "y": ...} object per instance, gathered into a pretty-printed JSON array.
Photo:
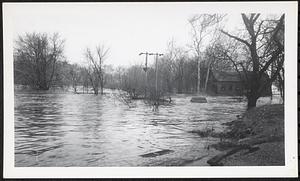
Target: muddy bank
[{"x": 255, "y": 138}]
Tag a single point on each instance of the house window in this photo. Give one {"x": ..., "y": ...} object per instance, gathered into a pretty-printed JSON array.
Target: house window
[{"x": 230, "y": 87}]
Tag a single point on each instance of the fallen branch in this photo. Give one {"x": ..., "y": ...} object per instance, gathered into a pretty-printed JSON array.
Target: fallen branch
[{"x": 216, "y": 159}]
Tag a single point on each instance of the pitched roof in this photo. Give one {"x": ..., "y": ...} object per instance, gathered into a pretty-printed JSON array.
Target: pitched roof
[
  {"x": 226, "y": 76},
  {"x": 223, "y": 76}
]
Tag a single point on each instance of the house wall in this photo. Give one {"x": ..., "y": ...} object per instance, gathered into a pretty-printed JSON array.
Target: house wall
[
  {"x": 229, "y": 88},
  {"x": 225, "y": 88}
]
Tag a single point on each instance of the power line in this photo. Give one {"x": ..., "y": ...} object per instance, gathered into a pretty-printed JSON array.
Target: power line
[
  {"x": 156, "y": 72},
  {"x": 146, "y": 69}
]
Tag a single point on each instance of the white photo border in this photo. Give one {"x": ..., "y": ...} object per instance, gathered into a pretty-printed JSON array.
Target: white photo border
[{"x": 290, "y": 169}]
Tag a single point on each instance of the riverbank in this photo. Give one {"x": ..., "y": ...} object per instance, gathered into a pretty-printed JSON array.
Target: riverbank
[{"x": 254, "y": 139}]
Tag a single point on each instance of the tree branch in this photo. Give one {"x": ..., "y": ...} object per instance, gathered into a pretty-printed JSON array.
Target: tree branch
[
  {"x": 259, "y": 28},
  {"x": 237, "y": 38},
  {"x": 272, "y": 59},
  {"x": 279, "y": 67}
]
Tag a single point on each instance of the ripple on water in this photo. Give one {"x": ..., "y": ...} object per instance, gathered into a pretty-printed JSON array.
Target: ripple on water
[{"x": 88, "y": 130}]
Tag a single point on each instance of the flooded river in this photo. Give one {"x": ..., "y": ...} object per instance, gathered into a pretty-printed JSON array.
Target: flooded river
[{"x": 87, "y": 130}]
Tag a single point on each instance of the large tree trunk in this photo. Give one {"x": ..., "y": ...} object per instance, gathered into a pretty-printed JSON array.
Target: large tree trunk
[
  {"x": 252, "y": 99},
  {"x": 253, "y": 95},
  {"x": 251, "y": 102}
]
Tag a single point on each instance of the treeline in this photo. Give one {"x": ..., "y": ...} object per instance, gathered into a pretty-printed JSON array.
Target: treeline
[{"x": 39, "y": 61}]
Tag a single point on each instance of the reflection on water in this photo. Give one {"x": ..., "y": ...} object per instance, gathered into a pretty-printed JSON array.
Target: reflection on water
[{"x": 88, "y": 130}]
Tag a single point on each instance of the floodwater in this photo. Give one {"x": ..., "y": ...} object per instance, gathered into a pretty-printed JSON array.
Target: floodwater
[{"x": 87, "y": 130}]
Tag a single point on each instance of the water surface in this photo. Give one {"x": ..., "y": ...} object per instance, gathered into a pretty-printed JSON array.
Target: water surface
[{"x": 87, "y": 130}]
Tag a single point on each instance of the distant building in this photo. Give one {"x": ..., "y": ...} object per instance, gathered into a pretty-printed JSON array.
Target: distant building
[{"x": 230, "y": 84}]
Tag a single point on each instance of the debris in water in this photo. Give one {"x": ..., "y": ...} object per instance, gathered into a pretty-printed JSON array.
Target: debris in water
[
  {"x": 199, "y": 99},
  {"x": 157, "y": 153}
]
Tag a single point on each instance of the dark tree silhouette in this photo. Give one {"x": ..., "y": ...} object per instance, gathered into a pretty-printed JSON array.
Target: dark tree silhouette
[
  {"x": 36, "y": 56},
  {"x": 265, "y": 46}
]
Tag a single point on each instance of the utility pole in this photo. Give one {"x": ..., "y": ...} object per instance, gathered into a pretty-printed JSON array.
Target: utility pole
[
  {"x": 146, "y": 69},
  {"x": 156, "y": 58}
]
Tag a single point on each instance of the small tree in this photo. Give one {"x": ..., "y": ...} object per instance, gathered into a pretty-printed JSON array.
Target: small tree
[
  {"x": 96, "y": 67},
  {"x": 176, "y": 57}
]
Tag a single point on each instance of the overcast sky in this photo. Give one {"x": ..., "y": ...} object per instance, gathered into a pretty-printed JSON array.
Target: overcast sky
[{"x": 127, "y": 29}]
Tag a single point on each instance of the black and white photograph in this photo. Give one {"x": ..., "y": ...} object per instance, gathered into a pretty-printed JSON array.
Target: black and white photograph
[{"x": 150, "y": 85}]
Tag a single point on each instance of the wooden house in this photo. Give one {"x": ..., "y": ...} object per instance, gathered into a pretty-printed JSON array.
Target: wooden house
[{"x": 231, "y": 84}]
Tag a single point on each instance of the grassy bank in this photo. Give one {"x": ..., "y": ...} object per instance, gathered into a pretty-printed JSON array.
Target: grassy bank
[{"x": 256, "y": 138}]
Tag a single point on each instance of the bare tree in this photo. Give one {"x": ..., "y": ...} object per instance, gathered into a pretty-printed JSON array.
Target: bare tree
[
  {"x": 202, "y": 26},
  {"x": 265, "y": 46},
  {"x": 96, "y": 67},
  {"x": 211, "y": 59},
  {"x": 36, "y": 56},
  {"x": 215, "y": 59},
  {"x": 94, "y": 79},
  {"x": 176, "y": 57}
]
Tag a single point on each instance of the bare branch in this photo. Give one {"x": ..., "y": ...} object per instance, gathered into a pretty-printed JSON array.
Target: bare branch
[
  {"x": 236, "y": 38},
  {"x": 279, "y": 68},
  {"x": 256, "y": 17},
  {"x": 259, "y": 28},
  {"x": 271, "y": 60}
]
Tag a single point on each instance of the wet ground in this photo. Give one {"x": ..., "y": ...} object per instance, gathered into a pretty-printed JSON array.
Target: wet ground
[{"x": 87, "y": 130}]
